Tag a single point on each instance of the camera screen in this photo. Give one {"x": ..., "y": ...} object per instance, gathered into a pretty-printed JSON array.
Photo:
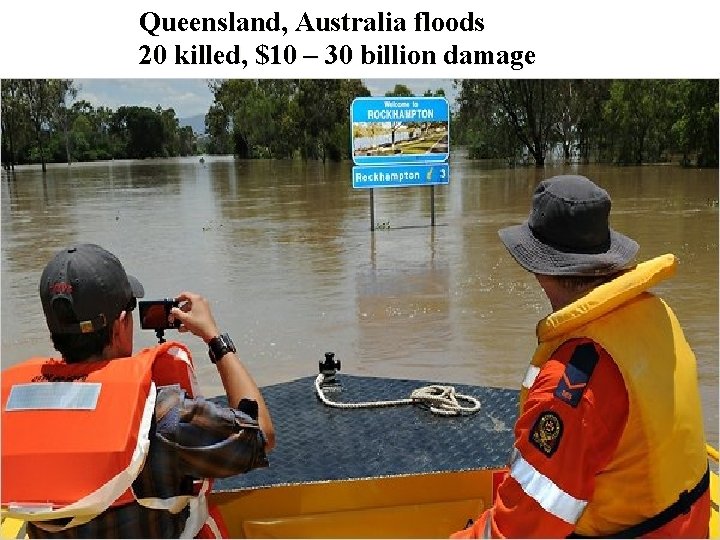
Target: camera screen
[{"x": 154, "y": 314}]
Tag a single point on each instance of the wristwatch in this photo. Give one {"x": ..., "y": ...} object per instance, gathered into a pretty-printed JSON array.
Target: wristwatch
[{"x": 219, "y": 346}]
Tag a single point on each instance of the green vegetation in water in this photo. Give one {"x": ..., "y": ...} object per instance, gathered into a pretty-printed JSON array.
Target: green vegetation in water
[
  {"x": 517, "y": 121},
  {"x": 607, "y": 121}
]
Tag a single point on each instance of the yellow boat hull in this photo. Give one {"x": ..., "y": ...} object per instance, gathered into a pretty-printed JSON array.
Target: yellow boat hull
[
  {"x": 424, "y": 506},
  {"x": 419, "y": 506}
]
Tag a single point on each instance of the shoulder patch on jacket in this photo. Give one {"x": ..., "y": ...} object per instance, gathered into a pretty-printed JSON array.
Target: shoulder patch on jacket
[
  {"x": 577, "y": 374},
  {"x": 546, "y": 432}
]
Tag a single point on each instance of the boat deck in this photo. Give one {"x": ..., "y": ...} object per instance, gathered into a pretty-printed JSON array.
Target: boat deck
[{"x": 317, "y": 443}]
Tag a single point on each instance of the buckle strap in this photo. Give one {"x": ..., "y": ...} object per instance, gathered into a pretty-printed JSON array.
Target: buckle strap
[{"x": 681, "y": 506}]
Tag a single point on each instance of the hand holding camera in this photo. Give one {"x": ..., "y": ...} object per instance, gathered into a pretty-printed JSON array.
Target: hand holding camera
[
  {"x": 189, "y": 312},
  {"x": 193, "y": 315}
]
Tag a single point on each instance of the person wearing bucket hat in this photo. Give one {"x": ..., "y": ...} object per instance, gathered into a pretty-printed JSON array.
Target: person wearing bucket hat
[
  {"x": 609, "y": 441},
  {"x": 567, "y": 232},
  {"x": 127, "y": 446}
]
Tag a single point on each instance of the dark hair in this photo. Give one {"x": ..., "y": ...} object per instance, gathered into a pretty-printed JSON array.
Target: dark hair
[{"x": 77, "y": 347}]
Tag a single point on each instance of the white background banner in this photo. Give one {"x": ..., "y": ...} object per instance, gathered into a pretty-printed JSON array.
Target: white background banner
[{"x": 520, "y": 39}]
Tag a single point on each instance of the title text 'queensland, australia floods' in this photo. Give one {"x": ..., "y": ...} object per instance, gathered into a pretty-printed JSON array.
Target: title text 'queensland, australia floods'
[{"x": 392, "y": 54}]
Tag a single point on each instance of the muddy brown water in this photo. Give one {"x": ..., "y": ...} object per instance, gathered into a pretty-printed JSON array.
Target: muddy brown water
[{"x": 284, "y": 252}]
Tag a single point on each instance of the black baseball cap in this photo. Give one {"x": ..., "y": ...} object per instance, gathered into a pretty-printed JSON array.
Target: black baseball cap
[
  {"x": 568, "y": 231},
  {"x": 93, "y": 286}
]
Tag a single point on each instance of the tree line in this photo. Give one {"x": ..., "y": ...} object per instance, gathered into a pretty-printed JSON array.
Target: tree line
[
  {"x": 42, "y": 123},
  {"x": 519, "y": 121},
  {"x": 305, "y": 118},
  {"x": 607, "y": 121}
]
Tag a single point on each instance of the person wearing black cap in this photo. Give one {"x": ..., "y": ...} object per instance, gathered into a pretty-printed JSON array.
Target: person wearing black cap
[
  {"x": 609, "y": 440},
  {"x": 106, "y": 444},
  {"x": 87, "y": 299}
]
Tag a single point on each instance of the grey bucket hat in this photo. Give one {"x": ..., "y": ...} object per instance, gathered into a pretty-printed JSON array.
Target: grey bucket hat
[{"x": 567, "y": 232}]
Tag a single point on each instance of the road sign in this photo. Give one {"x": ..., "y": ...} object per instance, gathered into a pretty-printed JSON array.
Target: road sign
[
  {"x": 400, "y": 175},
  {"x": 400, "y": 130},
  {"x": 398, "y": 142}
]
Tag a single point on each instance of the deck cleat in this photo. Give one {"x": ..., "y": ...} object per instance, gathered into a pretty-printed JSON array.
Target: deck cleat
[{"x": 328, "y": 369}]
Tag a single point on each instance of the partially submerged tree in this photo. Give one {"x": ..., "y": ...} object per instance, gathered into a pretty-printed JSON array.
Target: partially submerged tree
[
  {"x": 13, "y": 115},
  {"x": 44, "y": 98}
]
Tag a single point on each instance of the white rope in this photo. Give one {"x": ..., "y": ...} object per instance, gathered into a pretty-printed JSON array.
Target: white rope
[{"x": 441, "y": 400}]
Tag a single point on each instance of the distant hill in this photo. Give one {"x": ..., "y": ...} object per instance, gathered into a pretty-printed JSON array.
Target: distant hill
[{"x": 197, "y": 123}]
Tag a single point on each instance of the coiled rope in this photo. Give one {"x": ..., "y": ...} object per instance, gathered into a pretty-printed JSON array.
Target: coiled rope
[{"x": 441, "y": 400}]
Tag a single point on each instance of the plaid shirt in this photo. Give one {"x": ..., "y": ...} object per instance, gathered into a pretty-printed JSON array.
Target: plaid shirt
[{"x": 192, "y": 439}]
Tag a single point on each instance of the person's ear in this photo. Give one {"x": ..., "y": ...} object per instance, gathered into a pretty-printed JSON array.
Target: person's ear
[{"x": 118, "y": 325}]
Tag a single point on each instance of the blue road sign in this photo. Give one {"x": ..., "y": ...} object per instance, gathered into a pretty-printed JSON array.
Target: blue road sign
[
  {"x": 400, "y": 175},
  {"x": 400, "y": 130}
]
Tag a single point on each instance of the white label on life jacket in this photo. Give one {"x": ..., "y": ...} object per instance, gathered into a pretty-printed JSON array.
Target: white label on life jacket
[
  {"x": 53, "y": 395},
  {"x": 29, "y": 508}
]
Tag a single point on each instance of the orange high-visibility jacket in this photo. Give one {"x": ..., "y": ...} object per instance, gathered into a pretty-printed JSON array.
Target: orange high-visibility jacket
[
  {"x": 75, "y": 436},
  {"x": 610, "y": 436}
]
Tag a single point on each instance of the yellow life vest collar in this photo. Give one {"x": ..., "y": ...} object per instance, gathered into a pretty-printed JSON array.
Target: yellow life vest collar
[{"x": 607, "y": 297}]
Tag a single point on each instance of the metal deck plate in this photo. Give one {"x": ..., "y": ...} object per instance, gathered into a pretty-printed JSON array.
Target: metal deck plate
[{"x": 317, "y": 443}]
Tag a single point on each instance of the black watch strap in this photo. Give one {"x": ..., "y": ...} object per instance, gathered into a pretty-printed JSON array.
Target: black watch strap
[{"x": 219, "y": 346}]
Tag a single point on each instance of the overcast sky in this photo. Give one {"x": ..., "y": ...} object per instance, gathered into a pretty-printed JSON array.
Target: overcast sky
[{"x": 190, "y": 97}]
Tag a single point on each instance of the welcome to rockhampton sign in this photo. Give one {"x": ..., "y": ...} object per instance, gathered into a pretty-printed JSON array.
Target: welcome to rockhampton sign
[{"x": 400, "y": 141}]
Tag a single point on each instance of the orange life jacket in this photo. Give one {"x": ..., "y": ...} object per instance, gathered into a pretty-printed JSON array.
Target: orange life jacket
[{"x": 75, "y": 436}]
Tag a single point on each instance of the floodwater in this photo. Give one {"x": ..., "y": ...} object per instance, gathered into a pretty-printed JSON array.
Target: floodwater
[{"x": 285, "y": 254}]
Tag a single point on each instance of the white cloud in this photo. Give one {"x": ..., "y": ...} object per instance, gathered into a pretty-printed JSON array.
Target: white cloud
[{"x": 188, "y": 97}]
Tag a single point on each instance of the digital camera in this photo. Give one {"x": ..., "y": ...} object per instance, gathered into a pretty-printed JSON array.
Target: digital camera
[{"x": 155, "y": 314}]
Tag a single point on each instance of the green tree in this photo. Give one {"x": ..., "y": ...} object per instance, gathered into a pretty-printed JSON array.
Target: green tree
[
  {"x": 695, "y": 127},
  {"x": 638, "y": 114},
  {"x": 321, "y": 108},
  {"x": 228, "y": 100},
  {"x": 14, "y": 117},
  {"x": 481, "y": 124},
  {"x": 217, "y": 126},
  {"x": 186, "y": 141},
  {"x": 81, "y": 134},
  {"x": 90, "y": 136},
  {"x": 63, "y": 115},
  {"x": 621, "y": 121},
  {"x": 591, "y": 130},
  {"x": 106, "y": 146},
  {"x": 521, "y": 113},
  {"x": 44, "y": 99},
  {"x": 399, "y": 90},
  {"x": 279, "y": 118},
  {"x": 139, "y": 130},
  {"x": 270, "y": 119}
]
